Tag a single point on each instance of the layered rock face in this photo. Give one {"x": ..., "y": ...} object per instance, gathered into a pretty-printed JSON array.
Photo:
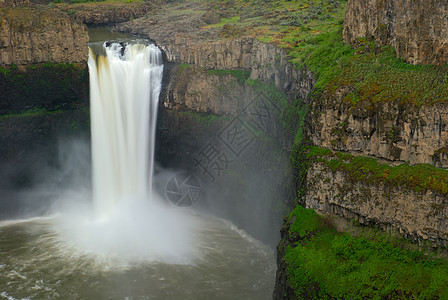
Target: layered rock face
[
  {"x": 38, "y": 34},
  {"x": 418, "y": 30},
  {"x": 183, "y": 40},
  {"x": 419, "y": 215},
  {"x": 266, "y": 62},
  {"x": 101, "y": 15},
  {"x": 44, "y": 93},
  {"x": 195, "y": 89},
  {"x": 13, "y": 2},
  {"x": 393, "y": 131}
]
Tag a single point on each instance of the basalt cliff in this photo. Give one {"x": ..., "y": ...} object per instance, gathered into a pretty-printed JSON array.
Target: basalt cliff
[
  {"x": 416, "y": 29},
  {"x": 32, "y": 34}
]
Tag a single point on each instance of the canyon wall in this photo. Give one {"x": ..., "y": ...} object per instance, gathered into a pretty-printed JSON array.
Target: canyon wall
[
  {"x": 417, "y": 29},
  {"x": 266, "y": 62},
  {"x": 420, "y": 215},
  {"x": 99, "y": 14},
  {"x": 38, "y": 34},
  {"x": 44, "y": 96},
  {"x": 210, "y": 105},
  {"x": 244, "y": 174},
  {"x": 394, "y": 131},
  {"x": 184, "y": 41},
  {"x": 13, "y": 2}
]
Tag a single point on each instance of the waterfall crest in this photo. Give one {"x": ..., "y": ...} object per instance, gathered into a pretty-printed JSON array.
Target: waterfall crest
[{"x": 125, "y": 86}]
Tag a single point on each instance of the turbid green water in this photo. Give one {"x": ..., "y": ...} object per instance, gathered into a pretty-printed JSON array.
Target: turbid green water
[{"x": 35, "y": 264}]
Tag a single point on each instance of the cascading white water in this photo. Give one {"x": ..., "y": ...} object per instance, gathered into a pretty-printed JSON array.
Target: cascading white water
[
  {"x": 128, "y": 221},
  {"x": 124, "y": 86}
]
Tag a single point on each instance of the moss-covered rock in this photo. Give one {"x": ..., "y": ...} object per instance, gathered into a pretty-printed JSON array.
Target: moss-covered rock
[
  {"x": 322, "y": 263},
  {"x": 43, "y": 86}
]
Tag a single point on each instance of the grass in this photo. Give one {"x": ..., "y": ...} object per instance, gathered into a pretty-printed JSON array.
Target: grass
[
  {"x": 183, "y": 66},
  {"x": 325, "y": 264},
  {"x": 376, "y": 75},
  {"x": 28, "y": 18},
  {"x": 360, "y": 168},
  {"x": 31, "y": 113},
  {"x": 204, "y": 119},
  {"x": 96, "y": 2},
  {"x": 240, "y": 75},
  {"x": 224, "y": 21}
]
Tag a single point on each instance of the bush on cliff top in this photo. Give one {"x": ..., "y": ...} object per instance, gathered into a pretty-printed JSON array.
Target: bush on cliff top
[{"x": 324, "y": 264}]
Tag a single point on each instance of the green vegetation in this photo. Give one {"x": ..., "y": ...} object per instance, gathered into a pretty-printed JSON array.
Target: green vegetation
[
  {"x": 267, "y": 90},
  {"x": 325, "y": 264},
  {"x": 43, "y": 87},
  {"x": 204, "y": 119},
  {"x": 30, "y": 113},
  {"x": 240, "y": 75},
  {"x": 225, "y": 21},
  {"x": 376, "y": 75},
  {"x": 183, "y": 66},
  {"x": 92, "y": 2},
  {"x": 360, "y": 168},
  {"x": 311, "y": 32}
]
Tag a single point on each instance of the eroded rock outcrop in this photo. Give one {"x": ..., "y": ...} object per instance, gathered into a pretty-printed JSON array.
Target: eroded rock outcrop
[
  {"x": 394, "y": 131},
  {"x": 266, "y": 62},
  {"x": 419, "y": 215},
  {"x": 193, "y": 88},
  {"x": 13, "y": 2},
  {"x": 99, "y": 14},
  {"x": 38, "y": 34},
  {"x": 418, "y": 30}
]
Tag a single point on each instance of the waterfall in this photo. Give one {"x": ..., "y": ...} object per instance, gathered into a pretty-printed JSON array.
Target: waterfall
[
  {"x": 128, "y": 222},
  {"x": 124, "y": 86}
]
